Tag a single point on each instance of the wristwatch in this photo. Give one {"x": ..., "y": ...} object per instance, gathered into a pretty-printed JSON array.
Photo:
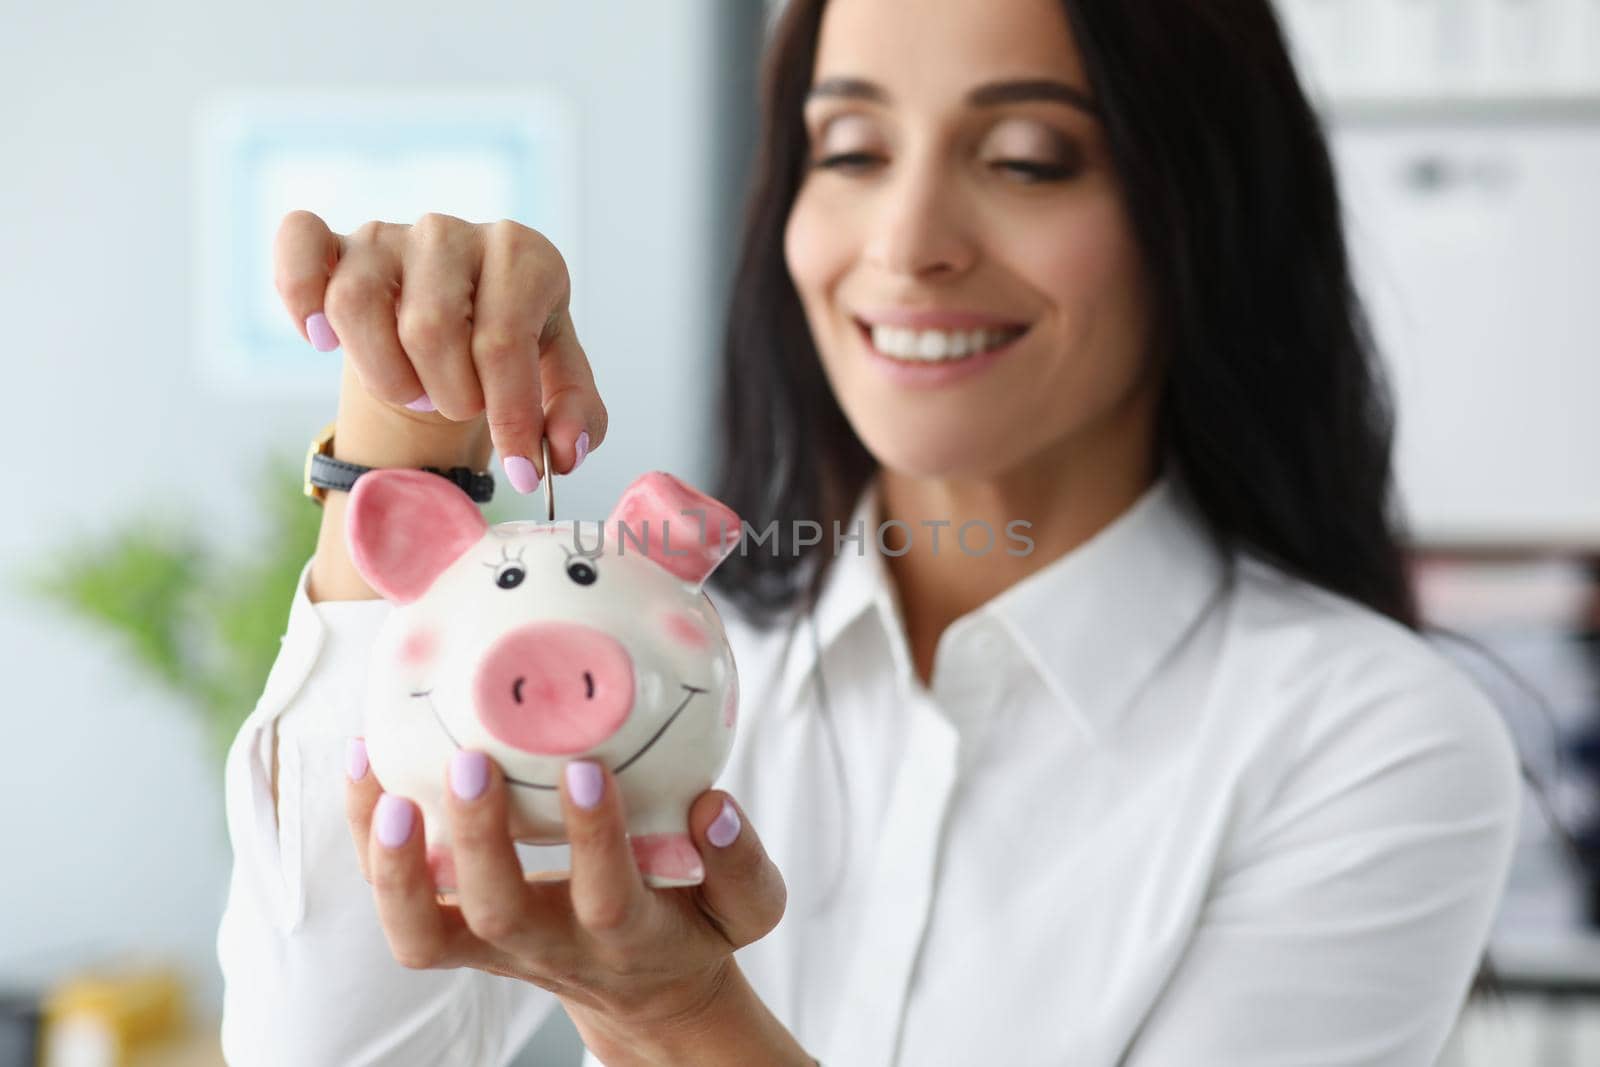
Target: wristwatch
[{"x": 323, "y": 472}]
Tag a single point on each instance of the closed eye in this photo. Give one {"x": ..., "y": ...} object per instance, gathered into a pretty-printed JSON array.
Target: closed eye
[
  {"x": 844, "y": 160},
  {"x": 849, "y": 162}
]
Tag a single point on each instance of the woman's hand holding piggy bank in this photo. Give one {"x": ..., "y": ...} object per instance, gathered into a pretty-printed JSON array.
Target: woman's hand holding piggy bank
[
  {"x": 539, "y": 643},
  {"x": 610, "y": 713}
]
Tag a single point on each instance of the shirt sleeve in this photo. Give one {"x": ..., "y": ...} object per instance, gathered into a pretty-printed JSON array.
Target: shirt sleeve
[
  {"x": 1346, "y": 927},
  {"x": 308, "y": 977}
]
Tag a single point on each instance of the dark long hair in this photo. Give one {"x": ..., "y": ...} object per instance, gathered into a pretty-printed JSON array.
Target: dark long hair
[{"x": 1273, "y": 403}]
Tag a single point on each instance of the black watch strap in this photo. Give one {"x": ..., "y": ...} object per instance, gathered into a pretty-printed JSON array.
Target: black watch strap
[{"x": 330, "y": 473}]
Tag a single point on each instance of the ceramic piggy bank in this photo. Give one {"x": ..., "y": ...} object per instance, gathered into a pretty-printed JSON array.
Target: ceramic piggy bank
[{"x": 539, "y": 643}]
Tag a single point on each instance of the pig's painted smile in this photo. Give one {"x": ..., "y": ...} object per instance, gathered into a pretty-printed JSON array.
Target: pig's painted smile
[{"x": 624, "y": 765}]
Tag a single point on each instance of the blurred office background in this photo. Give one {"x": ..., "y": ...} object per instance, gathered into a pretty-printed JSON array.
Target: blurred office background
[
  {"x": 1467, "y": 138},
  {"x": 162, "y": 399}
]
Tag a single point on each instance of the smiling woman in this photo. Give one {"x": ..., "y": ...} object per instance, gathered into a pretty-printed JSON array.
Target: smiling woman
[
  {"x": 1178, "y": 784},
  {"x": 1082, "y": 264}
]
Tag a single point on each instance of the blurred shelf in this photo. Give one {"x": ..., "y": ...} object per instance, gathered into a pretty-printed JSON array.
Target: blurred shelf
[
  {"x": 1554, "y": 962},
  {"x": 1402, "y": 108}
]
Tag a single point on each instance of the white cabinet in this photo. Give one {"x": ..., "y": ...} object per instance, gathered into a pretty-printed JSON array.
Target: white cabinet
[
  {"x": 1467, "y": 135},
  {"x": 1476, "y": 241}
]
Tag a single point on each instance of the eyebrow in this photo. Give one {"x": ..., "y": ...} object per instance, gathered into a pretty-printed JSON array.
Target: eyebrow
[{"x": 990, "y": 95}]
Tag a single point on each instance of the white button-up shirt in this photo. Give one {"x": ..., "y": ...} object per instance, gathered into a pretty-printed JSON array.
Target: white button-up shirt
[{"x": 1157, "y": 808}]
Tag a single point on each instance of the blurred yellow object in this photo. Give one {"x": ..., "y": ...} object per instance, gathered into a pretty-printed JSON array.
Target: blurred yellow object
[
  {"x": 110, "y": 1019},
  {"x": 194, "y": 1049}
]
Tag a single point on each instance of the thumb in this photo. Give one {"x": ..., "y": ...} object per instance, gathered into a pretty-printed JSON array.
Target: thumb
[{"x": 742, "y": 894}]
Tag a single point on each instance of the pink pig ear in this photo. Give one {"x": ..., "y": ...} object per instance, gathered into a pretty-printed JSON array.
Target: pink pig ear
[
  {"x": 684, "y": 531},
  {"x": 404, "y": 527}
]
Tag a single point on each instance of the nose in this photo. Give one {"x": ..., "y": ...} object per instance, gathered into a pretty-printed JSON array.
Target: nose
[
  {"x": 554, "y": 688},
  {"x": 918, "y": 230}
]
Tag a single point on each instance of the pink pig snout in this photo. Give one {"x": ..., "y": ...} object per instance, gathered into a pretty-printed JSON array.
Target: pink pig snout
[{"x": 554, "y": 688}]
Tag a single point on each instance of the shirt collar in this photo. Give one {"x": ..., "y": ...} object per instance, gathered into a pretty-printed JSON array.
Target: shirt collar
[
  {"x": 1098, "y": 622},
  {"x": 1094, "y": 624},
  {"x": 857, "y": 587}
]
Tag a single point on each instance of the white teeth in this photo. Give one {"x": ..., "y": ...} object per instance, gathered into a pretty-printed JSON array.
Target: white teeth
[{"x": 937, "y": 345}]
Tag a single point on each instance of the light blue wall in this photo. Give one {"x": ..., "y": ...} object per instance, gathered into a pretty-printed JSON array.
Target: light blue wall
[{"x": 110, "y": 802}]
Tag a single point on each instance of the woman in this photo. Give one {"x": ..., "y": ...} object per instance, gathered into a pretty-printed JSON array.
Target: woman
[{"x": 1170, "y": 779}]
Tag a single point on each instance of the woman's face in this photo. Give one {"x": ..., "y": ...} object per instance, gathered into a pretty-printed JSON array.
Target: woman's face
[{"x": 937, "y": 197}]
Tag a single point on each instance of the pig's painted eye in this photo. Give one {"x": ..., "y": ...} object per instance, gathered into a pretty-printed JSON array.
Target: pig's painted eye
[
  {"x": 581, "y": 572},
  {"x": 510, "y": 578}
]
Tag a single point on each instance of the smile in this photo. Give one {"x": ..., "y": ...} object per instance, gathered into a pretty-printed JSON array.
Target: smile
[
  {"x": 618, "y": 769},
  {"x": 936, "y": 346},
  {"x": 935, "y": 363}
]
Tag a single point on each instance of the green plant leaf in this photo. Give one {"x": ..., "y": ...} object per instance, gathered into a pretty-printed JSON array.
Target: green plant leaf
[{"x": 205, "y": 626}]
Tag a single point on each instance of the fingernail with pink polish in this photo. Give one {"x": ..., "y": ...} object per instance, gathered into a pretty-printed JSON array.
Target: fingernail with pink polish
[
  {"x": 723, "y": 832},
  {"x": 469, "y": 774},
  {"x": 522, "y": 473},
  {"x": 585, "y": 783},
  {"x": 323, "y": 339},
  {"x": 355, "y": 759},
  {"x": 393, "y": 818},
  {"x": 421, "y": 403},
  {"x": 582, "y": 446}
]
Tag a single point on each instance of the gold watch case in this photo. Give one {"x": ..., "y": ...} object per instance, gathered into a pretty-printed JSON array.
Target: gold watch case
[{"x": 321, "y": 445}]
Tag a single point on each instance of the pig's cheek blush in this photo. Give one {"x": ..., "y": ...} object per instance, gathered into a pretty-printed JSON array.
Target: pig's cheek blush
[
  {"x": 418, "y": 648},
  {"x": 685, "y": 631}
]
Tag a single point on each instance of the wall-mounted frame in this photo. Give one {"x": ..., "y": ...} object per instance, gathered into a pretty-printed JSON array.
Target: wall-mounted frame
[{"x": 351, "y": 156}]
